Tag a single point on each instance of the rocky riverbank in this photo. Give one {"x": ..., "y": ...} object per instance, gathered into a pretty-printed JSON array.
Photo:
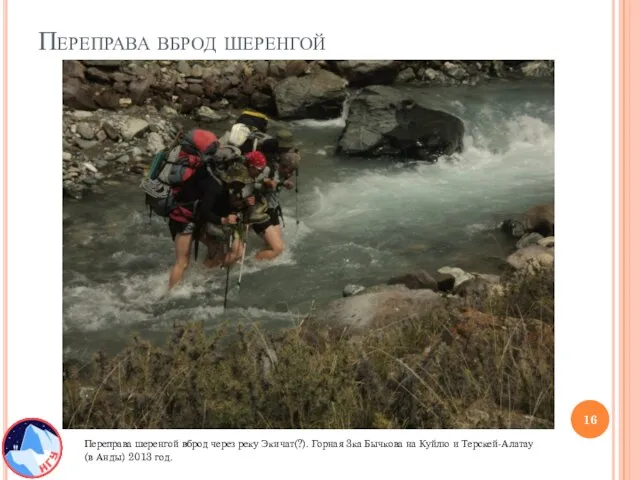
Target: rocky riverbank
[
  {"x": 366, "y": 307},
  {"x": 283, "y": 89},
  {"x": 117, "y": 114}
]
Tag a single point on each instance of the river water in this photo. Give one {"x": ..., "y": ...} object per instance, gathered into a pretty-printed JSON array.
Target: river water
[{"x": 360, "y": 221}]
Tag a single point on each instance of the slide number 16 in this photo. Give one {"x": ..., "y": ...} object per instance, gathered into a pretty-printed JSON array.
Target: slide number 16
[{"x": 590, "y": 420}]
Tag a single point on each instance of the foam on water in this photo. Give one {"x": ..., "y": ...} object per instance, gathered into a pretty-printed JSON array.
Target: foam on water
[
  {"x": 333, "y": 123},
  {"x": 477, "y": 179}
]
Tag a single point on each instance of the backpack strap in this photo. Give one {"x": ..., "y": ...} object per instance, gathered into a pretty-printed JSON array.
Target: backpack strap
[{"x": 212, "y": 173}]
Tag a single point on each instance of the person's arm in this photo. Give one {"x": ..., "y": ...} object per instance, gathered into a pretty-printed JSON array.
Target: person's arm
[
  {"x": 258, "y": 185},
  {"x": 212, "y": 190}
]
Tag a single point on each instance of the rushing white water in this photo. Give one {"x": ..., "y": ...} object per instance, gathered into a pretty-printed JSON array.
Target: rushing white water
[{"x": 361, "y": 221}]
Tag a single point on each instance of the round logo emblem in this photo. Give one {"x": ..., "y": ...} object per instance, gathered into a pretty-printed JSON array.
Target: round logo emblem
[{"x": 32, "y": 448}]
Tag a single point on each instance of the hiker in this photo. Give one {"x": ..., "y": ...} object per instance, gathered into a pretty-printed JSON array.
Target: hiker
[
  {"x": 256, "y": 164},
  {"x": 224, "y": 242},
  {"x": 199, "y": 191},
  {"x": 285, "y": 160},
  {"x": 241, "y": 201}
]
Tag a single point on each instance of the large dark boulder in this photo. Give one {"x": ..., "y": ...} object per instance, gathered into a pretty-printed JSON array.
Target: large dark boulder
[
  {"x": 384, "y": 121},
  {"x": 319, "y": 95},
  {"x": 76, "y": 94},
  {"x": 360, "y": 73}
]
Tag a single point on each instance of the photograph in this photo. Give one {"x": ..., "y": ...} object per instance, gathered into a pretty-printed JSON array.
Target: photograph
[{"x": 308, "y": 244}]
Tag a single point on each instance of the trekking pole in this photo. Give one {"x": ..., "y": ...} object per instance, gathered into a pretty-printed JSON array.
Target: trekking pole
[
  {"x": 244, "y": 251},
  {"x": 226, "y": 288},
  {"x": 297, "y": 216}
]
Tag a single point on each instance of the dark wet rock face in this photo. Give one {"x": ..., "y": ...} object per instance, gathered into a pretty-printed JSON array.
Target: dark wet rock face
[{"x": 383, "y": 121}]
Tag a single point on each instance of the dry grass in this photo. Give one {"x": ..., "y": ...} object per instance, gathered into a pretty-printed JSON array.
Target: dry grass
[{"x": 487, "y": 367}]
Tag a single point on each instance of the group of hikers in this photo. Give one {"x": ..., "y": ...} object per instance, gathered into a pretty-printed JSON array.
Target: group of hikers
[{"x": 212, "y": 190}]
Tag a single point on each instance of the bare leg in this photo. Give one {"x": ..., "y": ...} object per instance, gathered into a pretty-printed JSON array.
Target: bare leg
[
  {"x": 214, "y": 252},
  {"x": 275, "y": 245},
  {"x": 182, "y": 245}
]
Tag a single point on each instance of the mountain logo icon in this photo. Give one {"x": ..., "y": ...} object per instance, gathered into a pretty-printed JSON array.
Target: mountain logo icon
[{"x": 32, "y": 448}]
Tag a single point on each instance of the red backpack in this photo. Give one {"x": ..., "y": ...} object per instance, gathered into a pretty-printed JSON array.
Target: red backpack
[{"x": 170, "y": 170}]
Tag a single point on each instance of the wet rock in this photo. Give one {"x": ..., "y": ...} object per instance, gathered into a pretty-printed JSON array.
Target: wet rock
[
  {"x": 405, "y": 76},
  {"x": 168, "y": 111},
  {"x": 368, "y": 310},
  {"x": 166, "y": 82},
  {"x": 104, "y": 64},
  {"x": 455, "y": 70},
  {"x": 445, "y": 281},
  {"x": 262, "y": 102},
  {"x": 81, "y": 114},
  {"x": 86, "y": 144},
  {"x": 385, "y": 122},
  {"x": 261, "y": 67},
  {"x": 529, "y": 239},
  {"x": 435, "y": 77},
  {"x": 195, "y": 89},
  {"x": 97, "y": 75},
  {"x": 540, "y": 219},
  {"x": 139, "y": 89},
  {"x": 197, "y": 71},
  {"x": 85, "y": 130},
  {"x": 365, "y": 72},
  {"x": 73, "y": 190},
  {"x": 155, "y": 143},
  {"x": 547, "y": 242},
  {"x": 295, "y": 68},
  {"x": 121, "y": 77},
  {"x": 415, "y": 280},
  {"x": 538, "y": 69},
  {"x": 318, "y": 96},
  {"x": 189, "y": 103},
  {"x": 497, "y": 68},
  {"x": 112, "y": 132},
  {"x": 513, "y": 228},
  {"x": 73, "y": 68},
  {"x": 277, "y": 68},
  {"x": 121, "y": 88},
  {"x": 108, "y": 100},
  {"x": 458, "y": 274},
  {"x": 184, "y": 68},
  {"x": 478, "y": 288},
  {"x": 77, "y": 95},
  {"x": 89, "y": 166},
  {"x": 531, "y": 255},
  {"x": 209, "y": 115},
  {"x": 351, "y": 290},
  {"x": 133, "y": 127}
]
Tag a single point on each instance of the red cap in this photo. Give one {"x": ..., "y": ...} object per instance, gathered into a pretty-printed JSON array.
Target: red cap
[{"x": 256, "y": 159}]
